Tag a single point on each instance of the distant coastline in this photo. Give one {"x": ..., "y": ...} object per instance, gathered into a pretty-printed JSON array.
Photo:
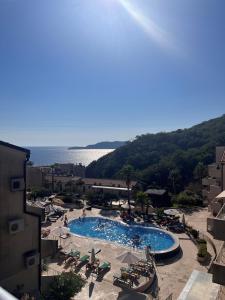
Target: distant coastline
[{"x": 101, "y": 145}]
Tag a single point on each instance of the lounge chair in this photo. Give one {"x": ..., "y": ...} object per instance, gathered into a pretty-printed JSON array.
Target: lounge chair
[
  {"x": 84, "y": 258},
  {"x": 104, "y": 266},
  {"x": 92, "y": 265},
  {"x": 74, "y": 253},
  {"x": 117, "y": 280}
]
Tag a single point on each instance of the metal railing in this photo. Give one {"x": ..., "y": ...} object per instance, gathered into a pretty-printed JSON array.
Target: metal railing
[{"x": 4, "y": 295}]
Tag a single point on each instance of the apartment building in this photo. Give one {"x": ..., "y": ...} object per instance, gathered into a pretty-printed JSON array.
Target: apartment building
[
  {"x": 34, "y": 178},
  {"x": 216, "y": 227},
  {"x": 214, "y": 183},
  {"x": 20, "y": 243}
]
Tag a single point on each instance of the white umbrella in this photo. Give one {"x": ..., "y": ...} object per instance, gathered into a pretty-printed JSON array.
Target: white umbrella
[
  {"x": 128, "y": 258},
  {"x": 127, "y": 206}
]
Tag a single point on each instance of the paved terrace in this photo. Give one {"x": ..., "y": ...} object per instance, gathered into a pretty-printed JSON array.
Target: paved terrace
[{"x": 172, "y": 276}]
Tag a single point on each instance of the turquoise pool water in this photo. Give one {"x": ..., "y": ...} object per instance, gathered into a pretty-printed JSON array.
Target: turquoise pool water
[{"x": 128, "y": 235}]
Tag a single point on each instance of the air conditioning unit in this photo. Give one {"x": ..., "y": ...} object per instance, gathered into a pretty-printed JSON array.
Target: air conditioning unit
[
  {"x": 16, "y": 226},
  {"x": 32, "y": 258},
  {"x": 17, "y": 184}
]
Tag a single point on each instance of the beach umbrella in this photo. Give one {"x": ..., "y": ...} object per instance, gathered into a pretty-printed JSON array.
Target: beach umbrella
[
  {"x": 128, "y": 258},
  {"x": 126, "y": 206},
  {"x": 92, "y": 255}
]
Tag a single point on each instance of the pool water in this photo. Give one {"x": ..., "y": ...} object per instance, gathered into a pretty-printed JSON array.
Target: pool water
[{"x": 113, "y": 231}]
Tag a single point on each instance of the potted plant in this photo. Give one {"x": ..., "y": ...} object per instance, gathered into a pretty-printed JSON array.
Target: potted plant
[{"x": 202, "y": 252}]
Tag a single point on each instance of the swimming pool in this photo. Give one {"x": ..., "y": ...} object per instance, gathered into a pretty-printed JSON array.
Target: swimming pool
[{"x": 127, "y": 235}]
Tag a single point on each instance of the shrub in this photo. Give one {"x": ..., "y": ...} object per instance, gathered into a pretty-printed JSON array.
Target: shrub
[
  {"x": 202, "y": 241},
  {"x": 65, "y": 286},
  {"x": 186, "y": 199},
  {"x": 202, "y": 250},
  {"x": 44, "y": 265}
]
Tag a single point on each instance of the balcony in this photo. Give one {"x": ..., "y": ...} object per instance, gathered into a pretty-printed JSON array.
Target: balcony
[
  {"x": 218, "y": 267},
  {"x": 216, "y": 226}
]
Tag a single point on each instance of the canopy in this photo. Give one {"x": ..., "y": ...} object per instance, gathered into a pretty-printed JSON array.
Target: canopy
[{"x": 128, "y": 258}]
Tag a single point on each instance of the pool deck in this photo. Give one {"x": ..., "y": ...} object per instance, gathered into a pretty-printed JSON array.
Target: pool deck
[{"x": 172, "y": 275}]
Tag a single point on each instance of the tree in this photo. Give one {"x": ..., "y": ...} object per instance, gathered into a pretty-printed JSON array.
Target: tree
[
  {"x": 187, "y": 198},
  {"x": 69, "y": 185},
  {"x": 175, "y": 178},
  {"x": 147, "y": 203},
  {"x": 200, "y": 171},
  {"x": 59, "y": 186},
  {"x": 141, "y": 198},
  {"x": 65, "y": 286},
  {"x": 127, "y": 172}
]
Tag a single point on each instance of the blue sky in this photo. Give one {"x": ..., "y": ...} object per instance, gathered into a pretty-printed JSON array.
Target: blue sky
[{"x": 74, "y": 72}]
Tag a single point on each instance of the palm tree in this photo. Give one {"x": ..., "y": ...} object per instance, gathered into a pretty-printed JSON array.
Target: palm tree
[
  {"x": 141, "y": 199},
  {"x": 148, "y": 202},
  {"x": 127, "y": 172}
]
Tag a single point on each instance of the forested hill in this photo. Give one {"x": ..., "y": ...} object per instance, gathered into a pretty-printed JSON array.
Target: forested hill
[
  {"x": 101, "y": 145},
  {"x": 165, "y": 159}
]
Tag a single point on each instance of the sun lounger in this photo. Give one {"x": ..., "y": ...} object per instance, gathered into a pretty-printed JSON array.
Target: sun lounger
[
  {"x": 104, "y": 266},
  {"x": 92, "y": 265},
  {"x": 117, "y": 280},
  {"x": 74, "y": 253},
  {"x": 84, "y": 258}
]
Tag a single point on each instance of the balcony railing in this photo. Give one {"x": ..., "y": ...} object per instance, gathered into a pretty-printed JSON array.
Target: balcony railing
[
  {"x": 218, "y": 267},
  {"x": 5, "y": 295}
]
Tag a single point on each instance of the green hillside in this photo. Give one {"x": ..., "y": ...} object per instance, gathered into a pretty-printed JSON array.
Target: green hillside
[{"x": 171, "y": 160}]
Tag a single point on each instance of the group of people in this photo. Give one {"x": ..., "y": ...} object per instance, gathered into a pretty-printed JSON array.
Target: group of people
[{"x": 65, "y": 219}]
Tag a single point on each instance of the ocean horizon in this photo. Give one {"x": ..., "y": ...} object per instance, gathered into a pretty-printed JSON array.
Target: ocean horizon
[{"x": 48, "y": 155}]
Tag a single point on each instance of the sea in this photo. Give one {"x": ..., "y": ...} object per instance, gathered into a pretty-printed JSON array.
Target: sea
[{"x": 43, "y": 156}]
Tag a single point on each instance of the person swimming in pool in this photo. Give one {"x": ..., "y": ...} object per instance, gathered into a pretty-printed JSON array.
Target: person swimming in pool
[
  {"x": 136, "y": 240},
  {"x": 100, "y": 225}
]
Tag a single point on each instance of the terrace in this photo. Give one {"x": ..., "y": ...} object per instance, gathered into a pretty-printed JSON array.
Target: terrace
[{"x": 172, "y": 274}]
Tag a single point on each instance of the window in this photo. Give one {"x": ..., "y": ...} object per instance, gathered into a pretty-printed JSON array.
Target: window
[{"x": 17, "y": 184}]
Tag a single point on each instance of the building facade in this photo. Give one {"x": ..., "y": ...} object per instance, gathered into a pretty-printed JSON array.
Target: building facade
[
  {"x": 214, "y": 183},
  {"x": 34, "y": 178},
  {"x": 20, "y": 243}
]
